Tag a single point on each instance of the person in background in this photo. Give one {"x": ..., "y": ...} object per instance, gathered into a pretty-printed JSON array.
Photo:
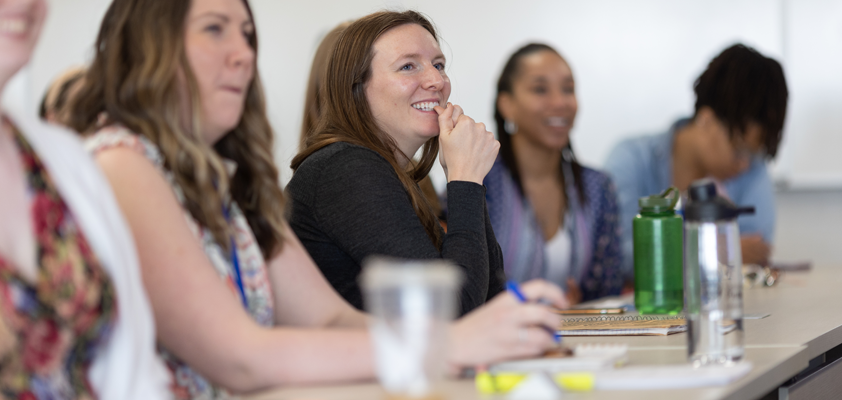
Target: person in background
[
  {"x": 56, "y": 100},
  {"x": 741, "y": 101},
  {"x": 75, "y": 322},
  {"x": 554, "y": 218},
  {"x": 354, "y": 192},
  {"x": 314, "y": 98},
  {"x": 313, "y": 106},
  {"x": 239, "y": 304}
]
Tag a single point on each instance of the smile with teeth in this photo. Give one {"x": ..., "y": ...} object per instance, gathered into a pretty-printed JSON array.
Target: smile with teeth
[
  {"x": 15, "y": 26},
  {"x": 425, "y": 105},
  {"x": 557, "y": 122}
]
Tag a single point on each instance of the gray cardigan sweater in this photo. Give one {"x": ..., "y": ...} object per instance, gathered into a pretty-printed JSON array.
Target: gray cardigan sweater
[{"x": 347, "y": 203}]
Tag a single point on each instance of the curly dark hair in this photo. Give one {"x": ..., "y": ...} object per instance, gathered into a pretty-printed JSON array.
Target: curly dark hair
[{"x": 741, "y": 85}]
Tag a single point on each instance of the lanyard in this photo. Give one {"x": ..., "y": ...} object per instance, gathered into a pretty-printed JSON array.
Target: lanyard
[{"x": 235, "y": 262}]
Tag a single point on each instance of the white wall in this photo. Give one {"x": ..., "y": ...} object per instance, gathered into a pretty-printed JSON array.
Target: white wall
[
  {"x": 813, "y": 47},
  {"x": 808, "y": 226},
  {"x": 634, "y": 62}
]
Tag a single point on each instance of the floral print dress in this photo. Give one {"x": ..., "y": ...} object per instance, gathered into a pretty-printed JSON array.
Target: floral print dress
[
  {"x": 57, "y": 322},
  {"x": 187, "y": 383}
]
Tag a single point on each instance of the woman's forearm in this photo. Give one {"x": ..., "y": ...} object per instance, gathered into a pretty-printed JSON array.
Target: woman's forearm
[
  {"x": 350, "y": 317},
  {"x": 290, "y": 356}
]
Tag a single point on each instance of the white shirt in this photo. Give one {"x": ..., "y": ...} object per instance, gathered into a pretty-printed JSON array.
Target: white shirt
[{"x": 558, "y": 252}]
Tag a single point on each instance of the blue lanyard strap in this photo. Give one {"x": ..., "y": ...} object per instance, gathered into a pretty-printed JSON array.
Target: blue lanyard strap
[{"x": 235, "y": 262}]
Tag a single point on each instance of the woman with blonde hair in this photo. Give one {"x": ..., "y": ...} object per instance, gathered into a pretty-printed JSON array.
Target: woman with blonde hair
[{"x": 178, "y": 124}]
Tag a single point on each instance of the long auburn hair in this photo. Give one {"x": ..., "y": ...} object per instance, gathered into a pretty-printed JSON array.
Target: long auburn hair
[
  {"x": 346, "y": 115},
  {"x": 134, "y": 82},
  {"x": 506, "y": 85},
  {"x": 313, "y": 99}
]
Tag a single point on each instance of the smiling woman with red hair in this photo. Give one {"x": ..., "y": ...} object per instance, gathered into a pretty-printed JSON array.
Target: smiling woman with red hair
[{"x": 355, "y": 193}]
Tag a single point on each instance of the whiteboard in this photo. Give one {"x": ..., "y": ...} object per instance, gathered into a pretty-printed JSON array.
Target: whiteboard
[
  {"x": 813, "y": 133},
  {"x": 634, "y": 61}
]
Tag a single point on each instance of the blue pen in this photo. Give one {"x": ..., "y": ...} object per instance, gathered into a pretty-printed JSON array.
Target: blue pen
[{"x": 513, "y": 288}]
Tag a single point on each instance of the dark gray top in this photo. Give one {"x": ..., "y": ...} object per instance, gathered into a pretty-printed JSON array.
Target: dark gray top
[{"x": 347, "y": 203}]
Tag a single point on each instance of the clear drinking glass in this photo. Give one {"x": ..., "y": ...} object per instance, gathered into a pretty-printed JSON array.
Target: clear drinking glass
[
  {"x": 412, "y": 304},
  {"x": 713, "y": 292}
]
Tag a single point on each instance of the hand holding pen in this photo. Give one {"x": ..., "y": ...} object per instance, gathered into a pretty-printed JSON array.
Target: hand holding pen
[
  {"x": 513, "y": 288},
  {"x": 506, "y": 328}
]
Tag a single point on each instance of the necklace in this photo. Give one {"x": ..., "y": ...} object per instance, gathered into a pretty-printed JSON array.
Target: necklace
[{"x": 235, "y": 262}]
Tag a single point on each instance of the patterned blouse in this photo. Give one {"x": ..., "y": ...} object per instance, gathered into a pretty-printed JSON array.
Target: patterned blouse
[
  {"x": 596, "y": 257},
  {"x": 58, "y": 322},
  {"x": 187, "y": 383}
]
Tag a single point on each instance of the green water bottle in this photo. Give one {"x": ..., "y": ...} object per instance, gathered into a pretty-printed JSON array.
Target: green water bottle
[{"x": 658, "y": 255}]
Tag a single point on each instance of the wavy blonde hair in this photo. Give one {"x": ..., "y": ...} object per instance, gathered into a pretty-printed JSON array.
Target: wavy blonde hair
[{"x": 135, "y": 80}]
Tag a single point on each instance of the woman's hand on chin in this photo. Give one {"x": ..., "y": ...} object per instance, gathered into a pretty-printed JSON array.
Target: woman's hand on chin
[
  {"x": 468, "y": 149},
  {"x": 505, "y": 328}
]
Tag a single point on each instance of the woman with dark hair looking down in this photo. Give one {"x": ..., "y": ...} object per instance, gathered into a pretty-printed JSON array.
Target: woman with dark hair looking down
[{"x": 741, "y": 101}]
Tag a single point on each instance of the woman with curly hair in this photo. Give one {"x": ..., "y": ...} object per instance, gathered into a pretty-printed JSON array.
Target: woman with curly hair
[{"x": 176, "y": 116}]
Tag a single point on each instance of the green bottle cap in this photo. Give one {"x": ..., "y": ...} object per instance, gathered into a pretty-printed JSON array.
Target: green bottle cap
[{"x": 665, "y": 201}]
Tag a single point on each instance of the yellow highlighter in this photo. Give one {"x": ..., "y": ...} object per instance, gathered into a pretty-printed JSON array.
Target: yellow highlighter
[
  {"x": 575, "y": 382},
  {"x": 488, "y": 383},
  {"x": 504, "y": 382}
]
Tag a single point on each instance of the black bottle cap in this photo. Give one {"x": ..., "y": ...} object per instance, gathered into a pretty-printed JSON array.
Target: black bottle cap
[
  {"x": 702, "y": 190},
  {"x": 706, "y": 205}
]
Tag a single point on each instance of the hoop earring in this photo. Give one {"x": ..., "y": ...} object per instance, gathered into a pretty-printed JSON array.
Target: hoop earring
[
  {"x": 567, "y": 154},
  {"x": 510, "y": 127}
]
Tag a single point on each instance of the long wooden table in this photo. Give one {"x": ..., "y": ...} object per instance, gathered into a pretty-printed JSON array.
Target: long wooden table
[{"x": 805, "y": 326}]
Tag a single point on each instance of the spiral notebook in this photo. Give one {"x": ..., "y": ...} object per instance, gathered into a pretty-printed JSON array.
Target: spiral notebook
[{"x": 623, "y": 325}]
